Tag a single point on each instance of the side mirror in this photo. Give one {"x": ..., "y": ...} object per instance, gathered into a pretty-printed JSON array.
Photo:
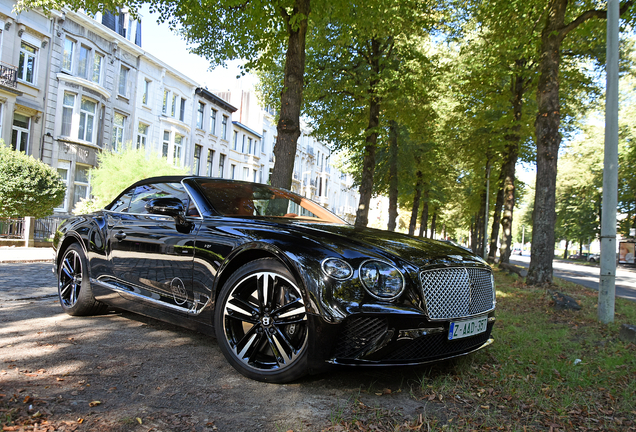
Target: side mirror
[{"x": 168, "y": 206}]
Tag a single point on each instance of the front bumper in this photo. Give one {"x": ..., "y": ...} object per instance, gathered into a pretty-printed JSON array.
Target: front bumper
[{"x": 397, "y": 340}]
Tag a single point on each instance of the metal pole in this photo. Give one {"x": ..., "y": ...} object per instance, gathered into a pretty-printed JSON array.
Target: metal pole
[
  {"x": 486, "y": 212},
  {"x": 607, "y": 282}
]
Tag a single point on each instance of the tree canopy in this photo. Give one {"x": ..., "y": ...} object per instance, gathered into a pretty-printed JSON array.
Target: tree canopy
[{"x": 28, "y": 187}]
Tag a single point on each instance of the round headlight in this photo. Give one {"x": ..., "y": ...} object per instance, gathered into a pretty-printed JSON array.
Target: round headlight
[
  {"x": 337, "y": 268},
  {"x": 382, "y": 280}
]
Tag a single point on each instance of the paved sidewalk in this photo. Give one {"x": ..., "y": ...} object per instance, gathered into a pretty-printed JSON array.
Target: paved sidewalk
[
  {"x": 10, "y": 254},
  {"x": 26, "y": 273},
  {"x": 27, "y": 281}
]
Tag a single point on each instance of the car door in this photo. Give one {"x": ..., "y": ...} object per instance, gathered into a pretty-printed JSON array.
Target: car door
[{"x": 152, "y": 255}]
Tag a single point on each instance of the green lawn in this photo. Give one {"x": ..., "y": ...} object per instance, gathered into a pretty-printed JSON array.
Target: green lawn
[{"x": 547, "y": 370}]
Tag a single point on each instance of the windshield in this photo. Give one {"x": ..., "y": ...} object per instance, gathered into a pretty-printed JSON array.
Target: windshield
[{"x": 241, "y": 199}]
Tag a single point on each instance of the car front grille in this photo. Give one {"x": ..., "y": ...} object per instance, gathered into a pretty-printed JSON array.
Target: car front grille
[
  {"x": 457, "y": 292},
  {"x": 360, "y": 335},
  {"x": 437, "y": 346}
]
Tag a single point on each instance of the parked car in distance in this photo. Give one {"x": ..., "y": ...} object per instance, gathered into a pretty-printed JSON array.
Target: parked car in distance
[
  {"x": 286, "y": 286},
  {"x": 517, "y": 251},
  {"x": 578, "y": 256},
  {"x": 594, "y": 258}
]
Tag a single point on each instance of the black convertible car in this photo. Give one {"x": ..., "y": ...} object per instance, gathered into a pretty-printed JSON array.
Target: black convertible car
[{"x": 286, "y": 286}]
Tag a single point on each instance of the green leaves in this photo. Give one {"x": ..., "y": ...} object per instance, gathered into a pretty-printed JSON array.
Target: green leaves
[{"x": 27, "y": 187}]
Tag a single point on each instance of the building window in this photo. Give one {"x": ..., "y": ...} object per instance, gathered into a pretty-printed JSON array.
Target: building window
[
  {"x": 173, "y": 112},
  {"x": 197, "y": 159},
  {"x": 254, "y": 177},
  {"x": 26, "y": 68},
  {"x": 68, "y": 105},
  {"x": 243, "y": 145},
  {"x": 87, "y": 119},
  {"x": 250, "y": 146},
  {"x": 123, "y": 80},
  {"x": 200, "y": 112},
  {"x": 232, "y": 171},
  {"x": 210, "y": 161},
  {"x": 166, "y": 98},
  {"x": 67, "y": 55},
  {"x": 119, "y": 123},
  {"x": 166, "y": 144},
  {"x": 213, "y": 121},
  {"x": 142, "y": 135},
  {"x": 235, "y": 140},
  {"x": 246, "y": 174},
  {"x": 178, "y": 146},
  {"x": 98, "y": 65},
  {"x": 20, "y": 132},
  {"x": 263, "y": 141},
  {"x": 145, "y": 98},
  {"x": 84, "y": 58},
  {"x": 224, "y": 128},
  {"x": 81, "y": 186},
  {"x": 221, "y": 164},
  {"x": 182, "y": 110}
]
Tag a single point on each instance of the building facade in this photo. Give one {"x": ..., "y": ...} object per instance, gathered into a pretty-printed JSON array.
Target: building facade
[{"x": 72, "y": 86}]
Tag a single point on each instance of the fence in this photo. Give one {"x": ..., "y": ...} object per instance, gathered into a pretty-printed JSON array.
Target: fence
[
  {"x": 12, "y": 228},
  {"x": 27, "y": 231}
]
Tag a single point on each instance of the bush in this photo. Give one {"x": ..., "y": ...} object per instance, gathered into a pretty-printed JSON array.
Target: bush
[
  {"x": 117, "y": 171},
  {"x": 28, "y": 187}
]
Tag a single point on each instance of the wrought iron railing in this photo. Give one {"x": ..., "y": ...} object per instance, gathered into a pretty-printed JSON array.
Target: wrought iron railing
[
  {"x": 45, "y": 228},
  {"x": 8, "y": 75},
  {"x": 12, "y": 228}
]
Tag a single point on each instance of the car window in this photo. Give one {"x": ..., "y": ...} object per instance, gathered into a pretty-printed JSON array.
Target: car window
[
  {"x": 142, "y": 194},
  {"x": 238, "y": 199},
  {"x": 122, "y": 203}
]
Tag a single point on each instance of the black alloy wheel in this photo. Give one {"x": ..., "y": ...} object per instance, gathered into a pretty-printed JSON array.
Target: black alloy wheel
[
  {"x": 73, "y": 284},
  {"x": 261, "y": 322}
]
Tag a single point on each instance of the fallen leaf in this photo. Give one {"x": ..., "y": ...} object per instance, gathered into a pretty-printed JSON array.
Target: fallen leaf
[
  {"x": 138, "y": 420},
  {"x": 80, "y": 420},
  {"x": 94, "y": 403}
]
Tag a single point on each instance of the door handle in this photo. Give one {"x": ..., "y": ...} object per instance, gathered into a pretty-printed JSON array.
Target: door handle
[{"x": 120, "y": 235}]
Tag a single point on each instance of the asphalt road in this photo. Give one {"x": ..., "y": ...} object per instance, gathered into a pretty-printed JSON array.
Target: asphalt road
[{"x": 588, "y": 276}]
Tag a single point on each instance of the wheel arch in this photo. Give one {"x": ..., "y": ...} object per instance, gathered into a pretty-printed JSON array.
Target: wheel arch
[
  {"x": 69, "y": 239},
  {"x": 253, "y": 252}
]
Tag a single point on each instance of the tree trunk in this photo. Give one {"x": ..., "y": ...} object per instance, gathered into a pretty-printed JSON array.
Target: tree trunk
[
  {"x": 548, "y": 140},
  {"x": 393, "y": 175},
  {"x": 416, "y": 202},
  {"x": 433, "y": 223},
  {"x": 291, "y": 97},
  {"x": 368, "y": 164},
  {"x": 508, "y": 168},
  {"x": 565, "y": 253},
  {"x": 496, "y": 220},
  {"x": 424, "y": 217}
]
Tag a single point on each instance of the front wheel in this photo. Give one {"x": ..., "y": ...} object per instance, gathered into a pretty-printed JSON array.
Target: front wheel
[
  {"x": 261, "y": 322},
  {"x": 73, "y": 284}
]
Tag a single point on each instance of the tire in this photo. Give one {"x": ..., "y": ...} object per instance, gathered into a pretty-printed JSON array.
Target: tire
[
  {"x": 261, "y": 323},
  {"x": 73, "y": 284}
]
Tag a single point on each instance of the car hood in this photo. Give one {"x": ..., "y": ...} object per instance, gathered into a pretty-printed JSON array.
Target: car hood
[{"x": 420, "y": 252}]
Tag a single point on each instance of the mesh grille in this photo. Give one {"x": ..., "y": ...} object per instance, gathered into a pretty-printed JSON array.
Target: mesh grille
[
  {"x": 432, "y": 347},
  {"x": 457, "y": 292},
  {"x": 358, "y": 335}
]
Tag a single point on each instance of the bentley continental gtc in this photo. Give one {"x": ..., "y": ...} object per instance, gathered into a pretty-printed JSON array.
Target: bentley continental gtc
[{"x": 286, "y": 286}]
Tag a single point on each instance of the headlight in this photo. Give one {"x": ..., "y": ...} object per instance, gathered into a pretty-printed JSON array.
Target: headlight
[
  {"x": 382, "y": 280},
  {"x": 337, "y": 268}
]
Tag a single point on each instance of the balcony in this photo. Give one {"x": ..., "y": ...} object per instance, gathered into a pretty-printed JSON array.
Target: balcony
[{"x": 8, "y": 75}]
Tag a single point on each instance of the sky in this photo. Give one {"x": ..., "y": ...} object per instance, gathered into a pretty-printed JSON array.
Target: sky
[{"x": 161, "y": 42}]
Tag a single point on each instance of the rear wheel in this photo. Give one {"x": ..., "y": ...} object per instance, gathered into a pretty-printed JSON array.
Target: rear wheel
[
  {"x": 261, "y": 322},
  {"x": 73, "y": 284}
]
